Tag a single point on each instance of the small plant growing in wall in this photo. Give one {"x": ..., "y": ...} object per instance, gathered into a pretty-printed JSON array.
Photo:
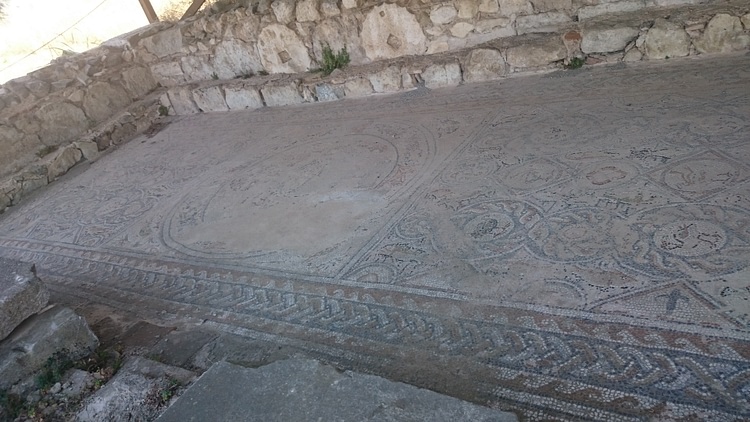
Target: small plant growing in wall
[
  {"x": 333, "y": 61},
  {"x": 575, "y": 63}
]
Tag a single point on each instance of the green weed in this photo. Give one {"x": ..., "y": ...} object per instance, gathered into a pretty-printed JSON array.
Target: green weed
[
  {"x": 53, "y": 370},
  {"x": 333, "y": 61},
  {"x": 12, "y": 405},
  {"x": 576, "y": 63}
]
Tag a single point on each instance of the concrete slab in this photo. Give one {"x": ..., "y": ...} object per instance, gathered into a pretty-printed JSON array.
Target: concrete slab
[
  {"x": 305, "y": 390},
  {"x": 22, "y": 294},
  {"x": 567, "y": 246}
]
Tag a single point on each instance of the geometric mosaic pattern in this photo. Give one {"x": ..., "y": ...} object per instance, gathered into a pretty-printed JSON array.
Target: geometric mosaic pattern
[{"x": 573, "y": 246}]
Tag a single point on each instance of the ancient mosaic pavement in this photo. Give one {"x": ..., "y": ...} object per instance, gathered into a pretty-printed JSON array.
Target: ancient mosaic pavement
[{"x": 571, "y": 246}]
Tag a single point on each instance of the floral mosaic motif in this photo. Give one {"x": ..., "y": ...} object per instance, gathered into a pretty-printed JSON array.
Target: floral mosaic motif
[
  {"x": 688, "y": 240},
  {"x": 496, "y": 228}
]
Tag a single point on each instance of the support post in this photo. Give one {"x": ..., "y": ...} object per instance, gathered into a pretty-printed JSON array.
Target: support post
[
  {"x": 149, "y": 11},
  {"x": 193, "y": 9}
]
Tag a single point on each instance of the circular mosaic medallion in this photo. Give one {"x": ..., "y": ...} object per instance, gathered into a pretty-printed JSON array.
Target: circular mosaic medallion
[
  {"x": 303, "y": 199},
  {"x": 532, "y": 175},
  {"x": 573, "y": 236},
  {"x": 686, "y": 240},
  {"x": 606, "y": 174},
  {"x": 718, "y": 125},
  {"x": 690, "y": 238},
  {"x": 488, "y": 227},
  {"x": 703, "y": 176},
  {"x": 469, "y": 170},
  {"x": 495, "y": 228}
]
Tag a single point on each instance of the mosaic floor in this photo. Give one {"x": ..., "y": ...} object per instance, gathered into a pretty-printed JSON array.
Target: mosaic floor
[{"x": 569, "y": 246}]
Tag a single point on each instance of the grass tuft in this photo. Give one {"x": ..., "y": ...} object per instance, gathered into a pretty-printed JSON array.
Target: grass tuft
[
  {"x": 576, "y": 63},
  {"x": 333, "y": 61}
]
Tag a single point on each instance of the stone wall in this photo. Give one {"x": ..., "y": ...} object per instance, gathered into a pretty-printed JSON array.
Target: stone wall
[
  {"x": 49, "y": 118},
  {"x": 428, "y": 48},
  {"x": 259, "y": 53}
]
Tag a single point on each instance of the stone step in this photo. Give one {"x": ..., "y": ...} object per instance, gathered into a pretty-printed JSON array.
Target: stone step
[
  {"x": 607, "y": 33},
  {"x": 305, "y": 390}
]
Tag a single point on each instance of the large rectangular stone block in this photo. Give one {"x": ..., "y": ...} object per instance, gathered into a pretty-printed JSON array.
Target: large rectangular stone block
[
  {"x": 56, "y": 331},
  {"x": 305, "y": 390},
  {"x": 22, "y": 294},
  {"x": 276, "y": 96}
]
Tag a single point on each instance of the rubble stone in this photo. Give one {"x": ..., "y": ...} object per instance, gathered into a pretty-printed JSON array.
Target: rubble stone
[
  {"x": 164, "y": 43},
  {"x": 515, "y": 7},
  {"x": 167, "y": 73},
  {"x": 88, "y": 148},
  {"x": 467, "y": 9},
  {"x": 234, "y": 58},
  {"x": 386, "y": 80},
  {"x": 196, "y": 67},
  {"x": 536, "y": 54},
  {"x": 22, "y": 294},
  {"x": 358, "y": 87},
  {"x": 483, "y": 65},
  {"x": 392, "y": 31},
  {"x": 461, "y": 29},
  {"x": 125, "y": 396},
  {"x": 240, "y": 97},
  {"x": 666, "y": 39},
  {"x": 182, "y": 101},
  {"x": 40, "y": 338},
  {"x": 282, "y": 51},
  {"x": 138, "y": 81},
  {"x": 488, "y": 6},
  {"x": 588, "y": 12},
  {"x": 329, "y": 8},
  {"x": 541, "y": 6},
  {"x": 60, "y": 122},
  {"x": 102, "y": 100},
  {"x": 281, "y": 95},
  {"x": 442, "y": 75},
  {"x": 64, "y": 160},
  {"x": 723, "y": 34},
  {"x": 307, "y": 11},
  {"x": 443, "y": 14},
  {"x": 283, "y": 10},
  {"x": 209, "y": 99},
  {"x": 604, "y": 40},
  {"x": 541, "y": 22},
  {"x": 328, "y": 92}
]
